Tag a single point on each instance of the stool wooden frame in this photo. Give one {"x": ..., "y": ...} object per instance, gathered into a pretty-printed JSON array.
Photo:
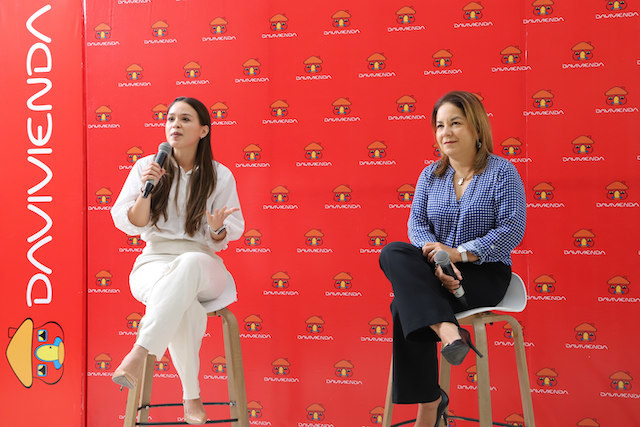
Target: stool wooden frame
[
  {"x": 139, "y": 398},
  {"x": 514, "y": 301}
]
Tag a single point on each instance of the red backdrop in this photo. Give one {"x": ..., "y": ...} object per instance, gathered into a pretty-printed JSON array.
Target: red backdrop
[{"x": 322, "y": 113}]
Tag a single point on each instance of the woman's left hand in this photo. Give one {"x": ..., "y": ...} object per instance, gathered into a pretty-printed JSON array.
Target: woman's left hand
[
  {"x": 216, "y": 220},
  {"x": 429, "y": 250}
]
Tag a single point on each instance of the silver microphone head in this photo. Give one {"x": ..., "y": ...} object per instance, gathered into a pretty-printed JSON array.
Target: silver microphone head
[{"x": 441, "y": 258}]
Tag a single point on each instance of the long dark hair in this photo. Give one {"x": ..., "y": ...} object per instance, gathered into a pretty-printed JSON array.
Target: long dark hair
[
  {"x": 203, "y": 178},
  {"x": 476, "y": 115}
]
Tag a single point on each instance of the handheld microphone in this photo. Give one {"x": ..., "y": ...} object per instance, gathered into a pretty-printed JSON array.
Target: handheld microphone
[
  {"x": 442, "y": 259},
  {"x": 164, "y": 151}
]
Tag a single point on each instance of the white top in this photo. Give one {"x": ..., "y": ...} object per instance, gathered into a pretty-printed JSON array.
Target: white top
[{"x": 224, "y": 194}]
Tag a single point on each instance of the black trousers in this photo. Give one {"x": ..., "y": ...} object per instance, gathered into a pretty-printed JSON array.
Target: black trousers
[{"x": 419, "y": 301}]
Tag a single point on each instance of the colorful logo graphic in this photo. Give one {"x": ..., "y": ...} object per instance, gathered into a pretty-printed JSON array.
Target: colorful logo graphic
[
  {"x": 279, "y": 108},
  {"x": 617, "y": 190},
  {"x": 218, "y": 25},
  {"x": 472, "y": 11},
  {"x": 547, "y": 377},
  {"x": 406, "y": 104},
  {"x": 103, "y": 362},
  {"x": 133, "y": 320},
  {"x": 343, "y": 369},
  {"x": 219, "y": 111},
  {"x": 251, "y": 67},
  {"x": 582, "y": 51},
  {"x": 515, "y": 420},
  {"x": 542, "y": 99},
  {"x": 219, "y": 365},
  {"x": 511, "y": 147},
  {"x": 582, "y": 145},
  {"x": 103, "y": 278},
  {"x": 103, "y": 196},
  {"x": 279, "y": 22},
  {"x": 253, "y": 323},
  {"x": 341, "y": 107},
  {"x": 280, "y": 366},
  {"x": 134, "y": 72},
  {"x": 315, "y": 412},
  {"x": 314, "y": 237},
  {"x": 134, "y": 241},
  {"x": 255, "y": 409},
  {"x": 252, "y": 152},
  {"x": 103, "y": 113},
  {"x": 160, "y": 29},
  {"x": 134, "y": 153},
  {"x": 442, "y": 58},
  {"x": 405, "y": 192},
  {"x": 377, "y": 238},
  {"x": 280, "y": 194},
  {"x": 510, "y": 55},
  {"x": 36, "y": 352},
  {"x": 436, "y": 150},
  {"x": 620, "y": 381},
  {"x": 313, "y": 151},
  {"x": 192, "y": 70},
  {"x": 472, "y": 374},
  {"x": 376, "y": 415},
  {"x": 312, "y": 65},
  {"x": 252, "y": 237},
  {"x": 377, "y": 150},
  {"x": 543, "y": 191},
  {"x": 341, "y": 19},
  {"x": 102, "y": 31},
  {"x": 280, "y": 280},
  {"x": 583, "y": 238},
  {"x": 378, "y": 326},
  {"x": 162, "y": 365},
  {"x": 585, "y": 332},
  {"x": 618, "y": 285},
  {"x": 315, "y": 325},
  {"x": 616, "y": 5},
  {"x": 542, "y": 7},
  {"x": 616, "y": 96},
  {"x": 405, "y": 15},
  {"x": 342, "y": 281},
  {"x": 545, "y": 284},
  {"x": 342, "y": 194},
  {"x": 376, "y": 62},
  {"x": 160, "y": 112}
]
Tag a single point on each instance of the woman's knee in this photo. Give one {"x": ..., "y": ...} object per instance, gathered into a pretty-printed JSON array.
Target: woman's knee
[{"x": 394, "y": 249}]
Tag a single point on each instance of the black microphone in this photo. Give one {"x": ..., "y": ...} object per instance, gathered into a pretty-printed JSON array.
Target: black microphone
[
  {"x": 442, "y": 259},
  {"x": 164, "y": 151}
]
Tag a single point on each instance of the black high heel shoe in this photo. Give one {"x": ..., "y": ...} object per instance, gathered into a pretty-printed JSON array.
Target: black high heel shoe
[
  {"x": 442, "y": 407},
  {"x": 457, "y": 350}
]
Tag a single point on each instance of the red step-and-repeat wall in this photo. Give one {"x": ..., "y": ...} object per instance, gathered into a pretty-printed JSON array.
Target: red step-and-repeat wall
[{"x": 322, "y": 113}]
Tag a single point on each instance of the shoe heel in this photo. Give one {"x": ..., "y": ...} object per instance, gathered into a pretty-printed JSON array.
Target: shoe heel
[{"x": 466, "y": 337}]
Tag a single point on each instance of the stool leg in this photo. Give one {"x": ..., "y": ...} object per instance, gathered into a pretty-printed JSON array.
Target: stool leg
[
  {"x": 482, "y": 365},
  {"x": 147, "y": 382},
  {"x": 445, "y": 379},
  {"x": 133, "y": 400},
  {"x": 235, "y": 372},
  {"x": 523, "y": 373},
  {"x": 388, "y": 403}
]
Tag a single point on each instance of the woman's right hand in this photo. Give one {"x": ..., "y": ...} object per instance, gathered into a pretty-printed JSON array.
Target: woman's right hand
[
  {"x": 153, "y": 172},
  {"x": 447, "y": 281}
]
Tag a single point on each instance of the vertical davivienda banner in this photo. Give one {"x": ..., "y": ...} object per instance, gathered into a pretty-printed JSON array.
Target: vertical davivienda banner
[{"x": 42, "y": 368}]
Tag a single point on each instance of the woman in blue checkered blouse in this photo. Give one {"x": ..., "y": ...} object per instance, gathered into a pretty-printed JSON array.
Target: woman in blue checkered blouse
[{"x": 471, "y": 204}]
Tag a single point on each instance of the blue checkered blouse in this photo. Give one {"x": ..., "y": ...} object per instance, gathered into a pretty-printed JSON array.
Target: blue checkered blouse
[{"x": 488, "y": 220}]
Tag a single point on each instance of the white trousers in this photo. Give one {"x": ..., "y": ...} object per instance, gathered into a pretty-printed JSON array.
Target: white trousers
[{"x": 172, "y": 287}]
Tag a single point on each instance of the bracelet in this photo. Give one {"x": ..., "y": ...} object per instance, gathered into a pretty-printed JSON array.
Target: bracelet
[{"x": 218, "y": 231}]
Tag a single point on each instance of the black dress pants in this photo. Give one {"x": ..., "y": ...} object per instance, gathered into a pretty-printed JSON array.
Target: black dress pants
[{"x": 420, "y": 301}]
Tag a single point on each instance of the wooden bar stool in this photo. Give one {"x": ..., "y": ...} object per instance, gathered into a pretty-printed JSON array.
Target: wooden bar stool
[
  {"x": 514, "y": 301},
  {"x": 139, "y": 398}
]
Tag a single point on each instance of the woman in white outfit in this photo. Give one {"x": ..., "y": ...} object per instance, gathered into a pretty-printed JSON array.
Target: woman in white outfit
[{"x": 192, "y": 212}]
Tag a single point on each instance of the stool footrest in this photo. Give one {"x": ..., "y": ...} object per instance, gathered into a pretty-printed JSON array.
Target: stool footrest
[
  {"x": 180, "y": 404},
  {"x": 495, "y": 423},
  {"x": 181, "y": 423}
]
